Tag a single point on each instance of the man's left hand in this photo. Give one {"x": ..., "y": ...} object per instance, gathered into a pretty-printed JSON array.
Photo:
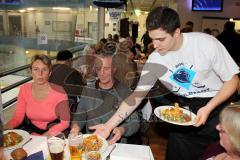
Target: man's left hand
[
  {"x": 118, "y": 132},
  {"x": 202, "y": 116}
]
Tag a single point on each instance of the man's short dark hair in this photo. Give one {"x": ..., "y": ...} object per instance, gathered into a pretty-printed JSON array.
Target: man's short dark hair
[
  {"x": 64, "y": 55},
  {"x": 163, "y": 17}
]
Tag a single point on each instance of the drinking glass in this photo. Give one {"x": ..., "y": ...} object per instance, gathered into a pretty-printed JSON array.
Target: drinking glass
[
  {"x": 92, "y": 155},
  {"x": 75, "y": 146},
  {"x": 56, "y": 146}
]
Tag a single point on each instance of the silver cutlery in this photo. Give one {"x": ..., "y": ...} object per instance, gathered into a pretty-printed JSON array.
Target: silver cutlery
[
  {"x": 26, "y": 142},
  {"x": 108, "y": 157}
]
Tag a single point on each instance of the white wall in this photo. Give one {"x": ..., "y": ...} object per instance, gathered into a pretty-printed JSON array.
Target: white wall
[
  {"x": 44, "y": 20},
  {"x": 184, "y": 9},
  {"x": 84, "y": 16}
]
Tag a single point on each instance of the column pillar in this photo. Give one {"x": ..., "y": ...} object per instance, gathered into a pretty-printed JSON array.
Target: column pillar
[{"x": 101, "y": 23}]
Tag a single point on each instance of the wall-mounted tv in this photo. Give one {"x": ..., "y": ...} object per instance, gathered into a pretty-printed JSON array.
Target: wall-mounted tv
[
  {"x": 11, "y": 2},
  {"x": 207, "y": 5}
]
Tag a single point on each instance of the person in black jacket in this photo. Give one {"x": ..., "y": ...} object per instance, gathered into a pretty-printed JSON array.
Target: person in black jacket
[
  {"x": 231, "y": 40},
  {"x": 67, "y": 77}
]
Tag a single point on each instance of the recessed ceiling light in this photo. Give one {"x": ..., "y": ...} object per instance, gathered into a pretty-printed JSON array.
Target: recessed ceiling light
[{"x": 61, "y": 8}]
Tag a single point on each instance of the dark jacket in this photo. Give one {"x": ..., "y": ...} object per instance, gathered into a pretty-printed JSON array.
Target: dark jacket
[
  {"x": 231, "y": 41},
  {"x": 70, "y": 79},
  {"x": 97, "y": 106}
]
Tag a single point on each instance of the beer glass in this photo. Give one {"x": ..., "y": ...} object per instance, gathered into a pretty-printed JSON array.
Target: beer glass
[
  {"x": 75, "y": 146},
  {"x": 92, "y": 155},
  {"x": 56, "y": 146}
]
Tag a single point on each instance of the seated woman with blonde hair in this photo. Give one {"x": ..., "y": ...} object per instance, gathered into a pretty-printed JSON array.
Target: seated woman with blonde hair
[
  {"x": 42, "y": 104},
  {"x": 229, "y": 132}
]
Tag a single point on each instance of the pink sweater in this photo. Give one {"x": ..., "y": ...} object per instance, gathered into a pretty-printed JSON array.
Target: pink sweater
[{"x": 41, "y": 112}]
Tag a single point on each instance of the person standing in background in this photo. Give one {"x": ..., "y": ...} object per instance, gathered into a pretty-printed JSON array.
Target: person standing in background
[
  {"x": 69, "y": 78},
  {"x": 188, "y": 27},
  {"x": 231, "y": 40}
]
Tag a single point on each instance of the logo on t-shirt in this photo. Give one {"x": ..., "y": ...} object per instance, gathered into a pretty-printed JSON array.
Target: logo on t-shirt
[{"x": 183, "y": 77}]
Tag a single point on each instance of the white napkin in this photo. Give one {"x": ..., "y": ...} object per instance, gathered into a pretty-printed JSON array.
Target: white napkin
[
  {"x": 38, "y": 143},
  {"x": 131, "y": 152}
]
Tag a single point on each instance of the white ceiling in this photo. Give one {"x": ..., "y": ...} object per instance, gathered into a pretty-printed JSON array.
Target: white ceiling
[{"x": 147, "y": 5}]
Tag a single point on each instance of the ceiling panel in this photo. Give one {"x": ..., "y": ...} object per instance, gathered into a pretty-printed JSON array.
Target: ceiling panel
[{"x": 147, "y": 5}]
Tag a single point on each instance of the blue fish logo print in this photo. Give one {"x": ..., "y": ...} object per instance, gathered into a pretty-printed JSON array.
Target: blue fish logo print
[{"x": 183, "y": 77}]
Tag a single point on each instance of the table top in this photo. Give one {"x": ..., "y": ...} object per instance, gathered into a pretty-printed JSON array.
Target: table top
[{"x": 121, "y": 152}]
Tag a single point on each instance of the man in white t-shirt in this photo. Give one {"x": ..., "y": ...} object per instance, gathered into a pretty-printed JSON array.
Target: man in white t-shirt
[{"x": 197, "y": 69}]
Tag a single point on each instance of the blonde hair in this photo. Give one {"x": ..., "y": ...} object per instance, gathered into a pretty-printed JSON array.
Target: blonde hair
[
  {"x": 230, "y": 119},
  {"x": 88, "y": 48},
  {"x": 45, "y": 59}
]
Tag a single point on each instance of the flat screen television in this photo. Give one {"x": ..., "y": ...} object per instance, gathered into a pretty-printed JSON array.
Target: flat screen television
[
  {"x": 10, "y": 2},
  {"x": 207, "y": 5}
]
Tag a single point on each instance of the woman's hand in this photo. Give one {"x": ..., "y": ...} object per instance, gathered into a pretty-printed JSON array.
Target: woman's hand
[
  {"x": 202, "y": 116},
  {"x": 118, "y": 132},
  {"x": 75, "y": 129}
]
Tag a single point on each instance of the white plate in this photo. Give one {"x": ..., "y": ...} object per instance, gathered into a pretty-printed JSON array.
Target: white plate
[
  {"x": 104, "y": 145},
  {"x": 23, "y": 133},
  {"x": 158, "y": 111}
]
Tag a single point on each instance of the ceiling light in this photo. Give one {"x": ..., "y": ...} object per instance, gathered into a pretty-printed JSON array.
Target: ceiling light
[
  {"x": 61, "y": 8},
  {"x": 137, "y": 12},
  {"x": 30, "y": 9}
]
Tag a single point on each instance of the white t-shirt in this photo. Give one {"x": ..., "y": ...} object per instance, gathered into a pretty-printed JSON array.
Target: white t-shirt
[{"x": 197, "y": 69}]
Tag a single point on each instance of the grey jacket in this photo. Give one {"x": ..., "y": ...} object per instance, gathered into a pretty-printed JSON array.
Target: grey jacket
[{"x": 97, "y": 106}]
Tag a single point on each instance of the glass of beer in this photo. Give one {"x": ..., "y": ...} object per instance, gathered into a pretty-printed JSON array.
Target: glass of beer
[
  {"x": 56, "y": 146},
  {"x": 92, "y": 155},
  {"x": 75, "y": 146}
]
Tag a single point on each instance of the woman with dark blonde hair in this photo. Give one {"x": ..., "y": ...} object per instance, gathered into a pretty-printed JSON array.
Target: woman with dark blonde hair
[
  {"x": 42, "y": 106},
  {"x": 228, "y": 147},
  {"x": 229, "y": 132},
  {"x": 126, "y": 68}
]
